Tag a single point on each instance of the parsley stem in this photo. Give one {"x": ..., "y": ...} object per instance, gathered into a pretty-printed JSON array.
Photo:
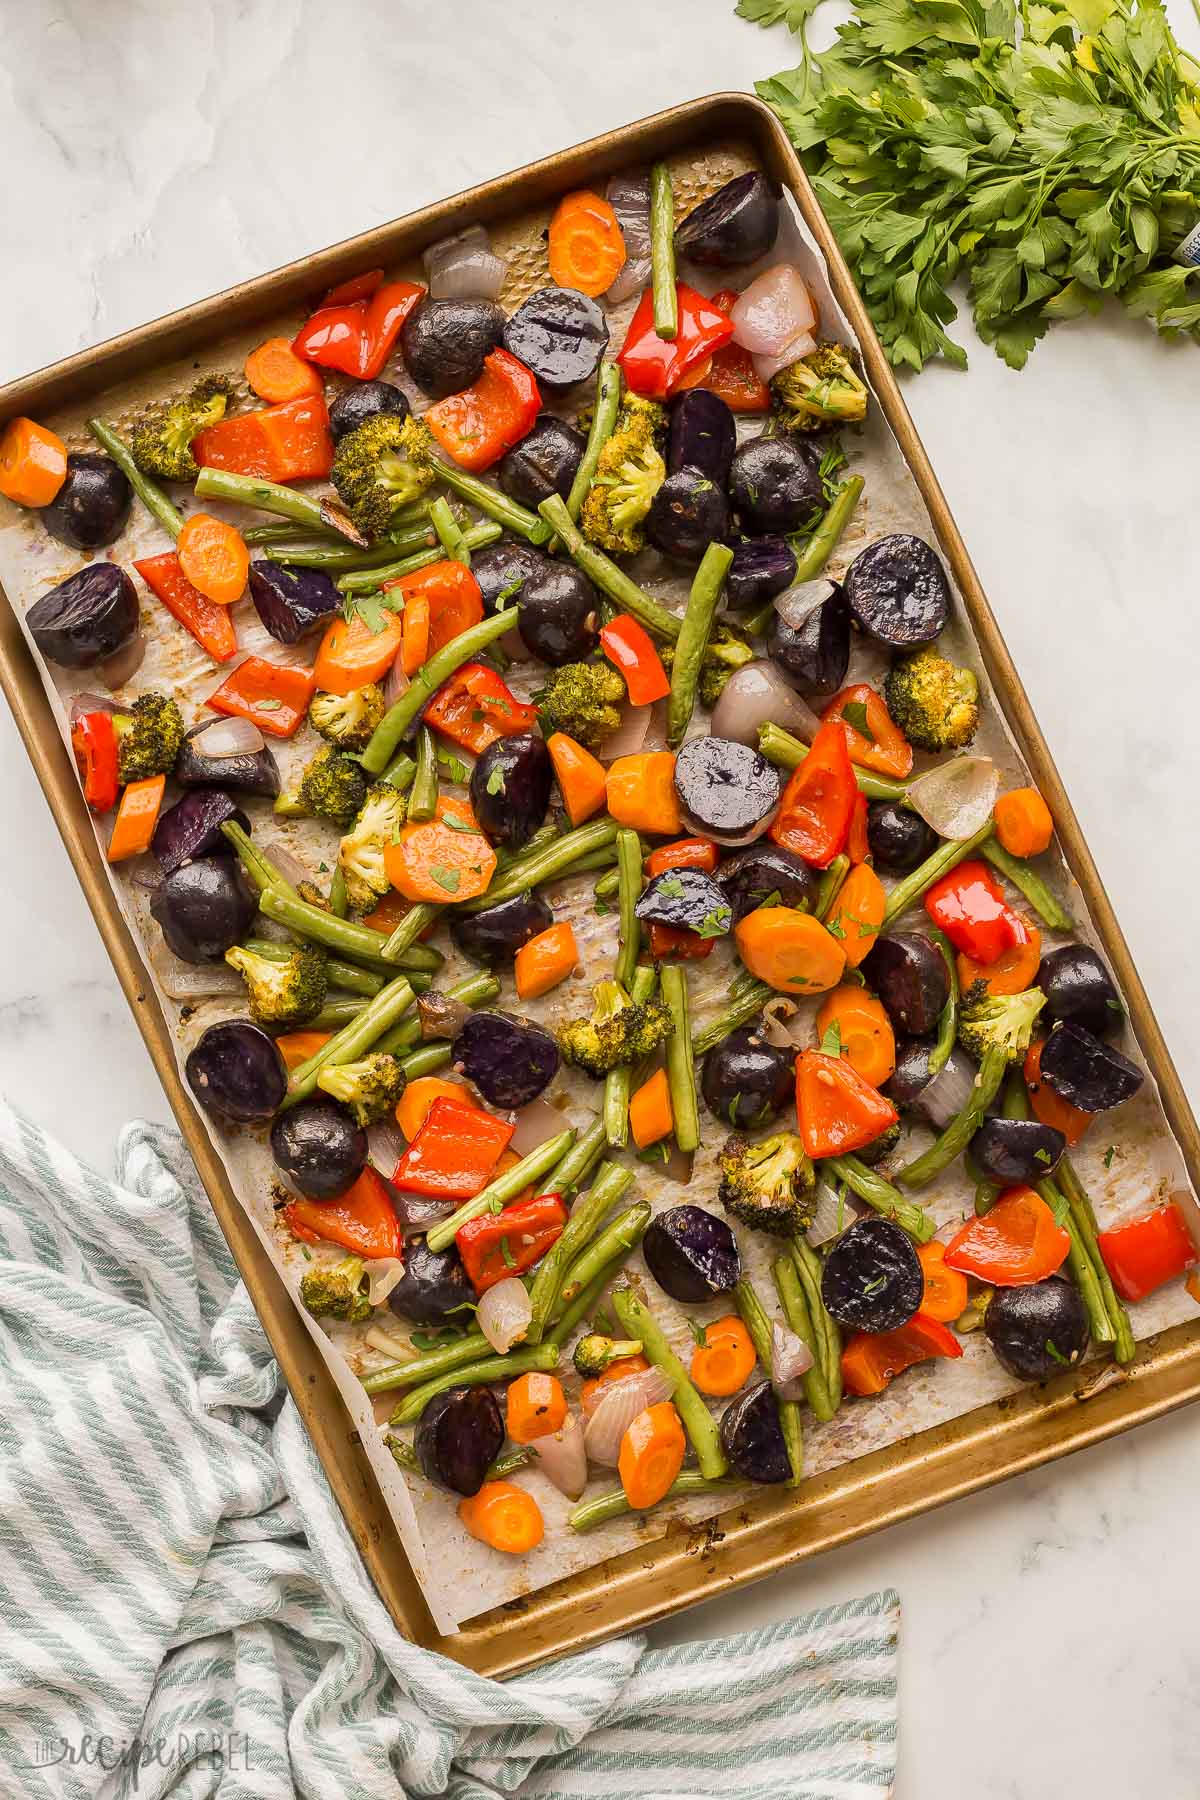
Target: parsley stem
[
  {"x": 604, "y": 419},
  {"x": 611, "y": 580},
  {"x": 148, "y": 492},
  {"x": 423, "y": 795},
  {"x": 509, "y": 514},
  {"x": 882, "y": 1197},
  {"x": 681, "y": 1067},
  {"x": 1030, "y": 883},
  {"x": 818, "y": 550},
  {"x": 787, "y": 752},
  {"x": 540, "y": 1359},
  {"x": 502, "y": 1191},
  {"x": 662, "y": 252},
  {"x": 474, "y": 538},
  {"x": 587, "y": 1215},
  {"x": 557, "y": 858},
  {"x": 604, "y": 1507},
  {"x": 754, "y": 1318},
  {"x": 385, "y": 740},
  {"x": 273, "y": 497},
  {"x": 637, "y": 1321},
  {"x": 906, "y": 893}
]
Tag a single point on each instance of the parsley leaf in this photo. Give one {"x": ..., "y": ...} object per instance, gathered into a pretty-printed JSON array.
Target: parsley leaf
[
  {"x": 269, "y": 705},
  {"x": 855, "y": 713},
  {"x": 715, "y": 923},
  {"x": 670, "y": 887},
  {"x": 510, "y": 1261},
  {"x": 448, "y": 879},
  {"x": 495, "y": 780},
  {"x": 1053, "y": 1350},
  {"x": 697, "y": 1330},
  {"x": 1108, "y": 1156}
]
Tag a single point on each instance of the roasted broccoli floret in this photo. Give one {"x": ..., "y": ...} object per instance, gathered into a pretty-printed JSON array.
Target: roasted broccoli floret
[
  {"x": 370, "y": 1087},
  {"x": 150, "y": 737},
  {"x": 336, "y": 1291},
  {"x": 594, "y": 1353},
  {"x": 381, "y": 468},
  {"x": 935, "y": 703},
  {"x": 771, "y": 1185},
  {"x": 879, "y": 1147},
  {"x": 1004, "y": 1021},
  {"x": 161, "y": 439},
  {"x": 282, "y": 994},
  {"x": 348, "y": 720},
  {"x": 582, "y": 699},
  {"x": 725, "y": 653},
  {"x": 331, "y": 787},
  {"x": 618, "y": 1032},
  {"x": 360, "y": 853},
  {"x": 629, "y": 473},
  {"x": 823, "y": 388}
]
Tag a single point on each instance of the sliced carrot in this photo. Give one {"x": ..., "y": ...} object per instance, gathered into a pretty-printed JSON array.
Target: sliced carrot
[
  {"x": 725, "y": 1361},
  {"x": 650, "y": 1116},
  {"x": 790, "y": 950},
  {"x": 651, "y": 1455},
  {"x": 581, "y": 779},
  {"x": 1014, "y": 970},
  {"x": 276, "y": 374},
  {"x": 136, "y": 818},
  {"x": 414, "y": 634},
  {"x": 857, "y": 915},
  {"x": 1048, "y": 1106},
  {"x": 586, "y": 246},
  {"x": 503, "y": 1516},
  {"x": 868, "y": 1041},
  {"x": 1023, "y": 822},
  {"x": 439, "y": 862},
  {"x": 536, "y": 1407},
  {"x": 351, "y": 654},
  {"x": 616, "y": 1371},
  {"x": 33, "y": 463},
  {"x": 837, "y": 1111},
  {"x": 873, "y": 739},
  {"x": 641, "y": 792},
  {"x": 546, "y": 960},
  {"x": 945, "y": 1296},
  {"x": 214, "y": 557},
  {"x": 412, "y": 1109},
  {"x": 453, "y": 602},
  {"x": 296, "y": 1047}
]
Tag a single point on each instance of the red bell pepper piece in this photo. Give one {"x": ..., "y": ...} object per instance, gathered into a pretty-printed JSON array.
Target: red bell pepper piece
[
  {"x": 837, "y": 1110},
  {"x": 1147, "y": 1252},
  {"x": 630, "y": 649},
  {"x": 356, "y": 328},
  {"x": 729, "y": 372},
  {"x": 972, "y": 911},
  {"x": 358, "y": 287},
  {"x": 654, "y": 366},
  {"x": 502, "y": 1244},
  {"x": 684, "y": 853},
  {"x": 335, "y": 337},
  {"x": 362, "y": 1219},
  {"x": 291, "y": 442},
  {"x": 475, "y": 707},
  {"x": 872, "y": 1358},
  {"x": 874, "y": 739},
  {"x": 818, "y": 803},
  {"x": 454, "y": 1153},
  {"x": 386, "y": 311},
  {"x": 677, "y": 940},
  {"x": 211, "y": 625},
  {"x": 476, "y": 427},
  {"x": 1016, "y": 1243},
  {"x": 97, "y": 755},
  {"x": 274, "y": 697}
]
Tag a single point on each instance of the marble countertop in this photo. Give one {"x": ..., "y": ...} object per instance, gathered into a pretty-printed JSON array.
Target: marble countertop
[{"x": 1046, "y": 1630}]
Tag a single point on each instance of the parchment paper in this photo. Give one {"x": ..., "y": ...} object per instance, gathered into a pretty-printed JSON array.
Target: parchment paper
[{"x": 459, "y": 1577}]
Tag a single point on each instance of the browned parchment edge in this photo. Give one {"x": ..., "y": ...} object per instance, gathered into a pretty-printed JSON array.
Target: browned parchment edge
[{"x": 689, "y": 1564}]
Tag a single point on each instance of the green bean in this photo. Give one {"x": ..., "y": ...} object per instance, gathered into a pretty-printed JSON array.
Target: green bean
[
  {"x": 799, "y": 1317},
  {"x": 595, "y": 859},
  {"x": 1083, "y": 1218},
  {"x": 340, "y": 974},
  {"x": 953, "y": 1140},
  {"x": 882, "y": 1196},
  {"x": 833, "y": 880},
  {"x": 613, "y": 1505},
  {"x": 556, "y": 858},
  {"x": 426, "y": 1061},
  {"x": 605, "y": 574},
  {"x": 507, "y": 1463},
  {"x": 368, "y": 580},
  {"x": 417, "y": 1369},
  {"x": 353, "y": 1040},
  {"x": 541, "y": 1359},
  {"x": 509, "y": 514},
  {"x": 502, "y": 1191},
  {"x": 604, "y": 418},
  {"x": 692, "y": 643},
  {"x": 809, "y": 1269},
  {"x": 402, "y": 943},
  {"x": 608, "y": 885},
  {"x": 334, "y": 1014},
  {"x": 681, "y": 1068},
  {"x": 662, "y": 252},
  {"x": 947, "y": 1031},
  {"x": 618, "y": 1083},
  {"x": 545, "y": 834},
  {"x": 148, "y": 492},
  {"x": 587, "y": 1215},
  {"x": 571, "y": 1173},
  {"x": 819, "y": 548},
  {"x": 613, "y": 1244},
  {"x": 629, "y": 873},
  {"x": 281, "y": 533},
  {"x": 750, "y": 1311},
  {"x": 357, "y": 942},
  {"x": 340, "y": 558},
  {"x": 423, "y": 795},
  {"x": 428, "y": 679},
  {"x": 401, "y": 772},
  {"x": 566, "y": 1318},
  {"x": 741, "y": 1011},
  {"x": 339, "y": 899},
  {"x": 272, "y": 497},
  {"x": 787, "y": 752},
  {"x": 1030, "y": 883},
  {"x": 260, "y": 870},
  {"x": 946, "y": 857},
  {"x": 474, "y": 990},
  {"x": 637, "y": 1321}
]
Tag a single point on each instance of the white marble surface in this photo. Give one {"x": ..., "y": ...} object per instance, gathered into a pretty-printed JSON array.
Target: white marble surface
[{"x": 157, "y": 152}]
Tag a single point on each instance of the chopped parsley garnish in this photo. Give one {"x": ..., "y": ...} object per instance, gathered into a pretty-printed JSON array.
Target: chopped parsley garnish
[
  {"x": 715, "y": 923},
  {"x": 671, "y": 887},
  {"x": 449, "y": 879},
  {"x": 855, "y": 713},
  {"x": 495, "y": 781}
]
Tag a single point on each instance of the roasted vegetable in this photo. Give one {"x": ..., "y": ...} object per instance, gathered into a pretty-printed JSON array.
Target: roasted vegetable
[
  {"x": 348, "y": 720},
  {"x": 629, "y": 473},
  {"x": 161, "y": 440},
  {"x": 369, "y": 1088},
  {"x": 361, "y": 851},
  {"x": 619, "y": 1031},
  {"x": 823, "y": 388},
  {"x": 1005, "y": 1020},
  {"x": 151, "y": 737},
  {"x": 935, "y": 704},
  {"x": 582, "y": 700},
  {"x": 330, "y": 787},
  {"x": 381, "y": 468},
  {"x": 337, "y": 1291},
  {"x": 724, "y": 653},
  {"x": 282, "y": 994},
  {"x": 594, "y": 1353},
  {"x": 770, "y": 1185}
]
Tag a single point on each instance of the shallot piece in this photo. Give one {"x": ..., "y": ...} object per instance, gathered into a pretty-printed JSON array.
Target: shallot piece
[
  {"x": 562, "y": 1459},
  {"x": 782, "y": 1027},
  {"x": 382, "y": 1275},
  {"x": 767, "y": 367},
  {"x": 773, "y": 312},
  {"x": 943, "y": 1098},
  {"x": 440, "y": 1016},
  {"x": 385, "y": 1146},
  {"x": 832, "y": 1215},
  {"x": 629, "y": 197},
  {"x": 229, "y": 737},
  {"x": 287, "y": 862},
  {"x": 795, "y": 603},
  {"x": 464, "y": 267},
  {"x": 396, "y": 685},
  {"x": 790, "y": 1359},
  {"x": 956, "y": 798},
  {"x": 416, "y": 1212},
  {"x": 92, "y": 703},
  {"x": 630, "y": 735},
  {"x": 617, "y": 1405},
  {"x": 181, "y": 980},
  {"x": 534, "y": 1124},
  {"x": 504, "y": 1313},
  {"x": 758, "y": 694}
]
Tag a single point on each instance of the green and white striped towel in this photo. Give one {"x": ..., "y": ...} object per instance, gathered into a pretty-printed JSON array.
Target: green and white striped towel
[{"x": 183, "y": 1612}]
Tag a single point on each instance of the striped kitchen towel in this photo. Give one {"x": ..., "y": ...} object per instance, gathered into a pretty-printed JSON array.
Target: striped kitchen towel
[{"x": 183, "y": 1612}]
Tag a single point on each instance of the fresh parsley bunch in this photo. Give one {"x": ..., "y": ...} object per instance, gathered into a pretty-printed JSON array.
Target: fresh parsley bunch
[{"x": 1050, "y": 156}]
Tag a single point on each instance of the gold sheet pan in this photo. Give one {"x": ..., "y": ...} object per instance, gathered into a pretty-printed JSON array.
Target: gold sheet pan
[{"x": 755, "y": 1538}]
